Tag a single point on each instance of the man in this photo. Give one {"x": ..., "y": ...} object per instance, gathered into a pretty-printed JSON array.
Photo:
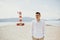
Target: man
[{"x": 38, "y": 28}]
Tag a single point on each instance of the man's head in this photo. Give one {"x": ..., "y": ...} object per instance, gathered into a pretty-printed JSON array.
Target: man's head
[{"x": 38, "y": 15}]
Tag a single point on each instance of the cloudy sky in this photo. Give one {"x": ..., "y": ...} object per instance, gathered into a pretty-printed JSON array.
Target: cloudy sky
[{"x": 48, "y": 8}]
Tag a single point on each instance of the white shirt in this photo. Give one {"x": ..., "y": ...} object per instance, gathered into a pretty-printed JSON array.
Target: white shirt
[{"x": 38, "y": 29}]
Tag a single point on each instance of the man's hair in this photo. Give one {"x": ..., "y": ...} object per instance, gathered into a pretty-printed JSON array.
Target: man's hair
[{"x": 38, "y": 13}]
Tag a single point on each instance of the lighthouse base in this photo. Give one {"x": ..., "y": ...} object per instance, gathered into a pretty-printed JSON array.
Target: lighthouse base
[{"x": 20, "y": 24}]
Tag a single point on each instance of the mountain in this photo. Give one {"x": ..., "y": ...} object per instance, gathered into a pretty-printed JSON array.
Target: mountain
[
  {"x": 28, "y": 19},
  {"x": 52, "y": 19}
]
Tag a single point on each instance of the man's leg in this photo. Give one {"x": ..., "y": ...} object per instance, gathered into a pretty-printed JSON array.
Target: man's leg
[
  {"x": 41, "y": 38},
  {"x": 34, "y": 38},
  {"x": 38, "y": 38}
]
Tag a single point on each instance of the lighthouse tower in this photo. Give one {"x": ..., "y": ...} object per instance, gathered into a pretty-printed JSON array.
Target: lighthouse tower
[{"x": 20, "y": 21}]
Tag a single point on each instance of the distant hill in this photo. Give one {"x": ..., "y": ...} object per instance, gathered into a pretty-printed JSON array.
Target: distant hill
[
  {"x": 52, "y": 19},
  {"x": 25, "y": 19}
]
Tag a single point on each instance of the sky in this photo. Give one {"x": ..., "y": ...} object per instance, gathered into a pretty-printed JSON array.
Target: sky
[{"x": 49, "y": 9}]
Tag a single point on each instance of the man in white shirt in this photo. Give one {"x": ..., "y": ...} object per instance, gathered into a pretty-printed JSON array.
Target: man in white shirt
[{"x": 38, "y": 28}]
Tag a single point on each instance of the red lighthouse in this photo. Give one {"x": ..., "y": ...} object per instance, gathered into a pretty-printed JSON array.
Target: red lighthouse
[{"x": 20, "y": 21}]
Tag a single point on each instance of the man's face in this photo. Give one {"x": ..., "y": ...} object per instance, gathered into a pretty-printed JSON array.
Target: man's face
[{"x": 38, "y": 16}]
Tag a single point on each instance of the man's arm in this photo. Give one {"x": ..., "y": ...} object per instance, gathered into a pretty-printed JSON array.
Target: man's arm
[
  {"x": 44, "y": 27},
  {"x": 32, "y": 28}
]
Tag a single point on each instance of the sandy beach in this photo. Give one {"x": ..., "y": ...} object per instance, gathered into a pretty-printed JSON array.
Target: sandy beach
[{"x": 13, "y": 32}]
